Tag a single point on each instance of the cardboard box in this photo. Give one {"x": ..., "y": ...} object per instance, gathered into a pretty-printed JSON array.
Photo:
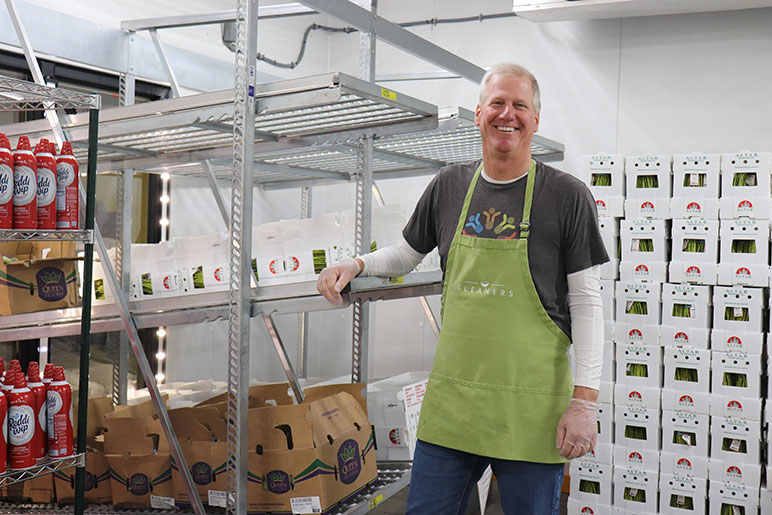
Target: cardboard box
[
  {"x": 641, "y": 396},
  {"x": 751, "y": 206},
  {"x": 154, "y": 271},
  {"x": 590, "y": 482},
  {"x": 696, "y": 176},
  {"x": 685, "y": 432},
  {"x": 683, "y": 207},
  {"x": 682, "y": 494},
  {"x": 745, "y": 174},
  {"x": 645, "y": 295},
  {"x": 97, "y": 485},
  {"x": 684, "y": 400},
  {"x": 609, "y": 232},
  {"x": 636, "y": 489},
  {"x": 37, "y": 490},
  {"x": 643, "y": 240},
  {"x": 686, "y": 306},
  {"x": 141, "y": 480},
  {"x": 738, "y": 309},
  {"x": 736, "y": 374},
  {"x": 642, "y": 271},
  {"x": 604, "y": 175},
  {"x": 743, "y": 275},
  {"x": 49, "y": 282},
  {"x": 580, "y": 507},
  {"x": 685, "y": 272},
  {"x": 639, "y": 365},
  {"x": 636, "y": 458},
  {"x": 687, "y": 369},
  {"x": 605, "y": 423},
  {"x": 741, "y": 407},
  {"x": 636, "y": 333},
  {"x": 745, "y": 241},
  {"x": 735, "y": 441},
  {"x": 657, "y": 168},
  {"x": 695, "y": 241},
  {"x": 735, "y": 472},
  {"x": 637, "y": 428},
  {"x": 684, "y": 462},
  {"x": 723, "y": 496},
  {"x": 723, "y": 340},
  {"x": 610, "y": 270},
  {"x": 657, "y": 208},
  {"x": 603, "y": 454}
]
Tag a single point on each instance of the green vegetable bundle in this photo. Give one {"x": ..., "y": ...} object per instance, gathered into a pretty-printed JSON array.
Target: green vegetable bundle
[
  {"x": 637, "y": 370},
  {"x": 686, "y": 374},
  {"x": 729, "y": 314},
  {"x": 99, "y": 289},
  {"x": 743, "y": 246},
  {"x": 254, "y": 269},
  {"x": 726, "y": 445},
  {"x": 685, "y": 438},
  {"x": 682, "y": 310},
  {"x": 647, "y": 181},
  {"x": 637, "y": 307},
  {"x": 601, "y": 179},
  {"x": 644, "y": 245},
  {"x": 320, "y": 260},
  {"x": 690, "y": 245},
  {"x": 699, "y": 183},
  {"x": 198, "y": 277},
  {"x": 640, "y": 494},
  {"x": 373, "y": 246},
  {"x": 732, "y": 509},
  {"x": 744, "y": 179},
  {"x": 735, "y": 379},
  {"x": 635, "y": 432},
  {"x": 147, "y": 284},
  {"x": 686, "y": 504},
  {"x": 590, "y": 487}
]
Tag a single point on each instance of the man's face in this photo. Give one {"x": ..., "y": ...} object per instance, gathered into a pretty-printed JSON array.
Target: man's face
[{"x": 507, "y": 117}]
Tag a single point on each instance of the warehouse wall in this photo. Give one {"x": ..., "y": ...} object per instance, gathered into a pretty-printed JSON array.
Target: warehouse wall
[{"x": 654, "y": 84}]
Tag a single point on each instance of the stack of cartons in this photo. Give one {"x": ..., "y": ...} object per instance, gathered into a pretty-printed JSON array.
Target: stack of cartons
[
  {"x": 648, "y": 187},
  {"x": 745, "y": 184},
  {"x": 744, "y": 252},
  {"x": 644, "y": 250},
  {"x": 695, "y": 251},
  {"x": 696, "y": 178}
]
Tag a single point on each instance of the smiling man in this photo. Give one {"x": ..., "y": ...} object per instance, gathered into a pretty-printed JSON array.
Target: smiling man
[{"x": 520, "y": 251}]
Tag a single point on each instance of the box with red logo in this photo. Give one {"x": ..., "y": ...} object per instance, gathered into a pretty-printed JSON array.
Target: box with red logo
[
  {"x": 687, "y": 369},
  {"x": 735, "y": 440},
  {"x": 744, "y": 275},
  {"x": 605, "y": 423},
  {"x": 684, "y": 207},
  {"x": 577, "y": 507},
  {"x": 747, "y": 474},
  {"x": 648, "y": 177},
  {"x": 636, "y": 489},
  {"x": 637, "y": 428},
  {"x": 745, "y": 174},
  {"x": 744, "y": 245},
  {"x": 696, "y": 179},
  {"x": 629, "y": 333},
  {"x": 697, "y": 338},
  {"x": 685, "y": 432},
  {"x": 686, "y": 306},
  {"x": 681, "y": 493},
  {"x": 203, "y": 263},
  {"x": 723, "y": 340},
  {"x": 643, "y": 241},
  {"x": 694, "y": 273},
  {"x": 603, "y": 454},
  {"x": 649, "y": 207},
  {"x": 695, "y": 241},
  {"x": 725, "y": 498},
  {"x": 684, "y": 462},
  {"x": 633, "y": 395},
  {"x": 637, "y": 304},
  {"x": 643, "y": 272},
  {"x": 736, "y": 374},
  {"x": 604, "y": 175},
  {"x": 154, "y": 271},
  {"x": 737, "y": 406},
  {"x": 636, "y": 458},
  {"x": 639, "y": 365},
  {"x": 737, "y": 308},
  {"x": 590, "y": 481},
  {"x": 685, "y": 400},
  {"x": 758, "y": 208}
]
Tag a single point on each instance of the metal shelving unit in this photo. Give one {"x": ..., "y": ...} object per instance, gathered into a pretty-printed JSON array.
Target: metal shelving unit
[{"x": 18, "y": 95}]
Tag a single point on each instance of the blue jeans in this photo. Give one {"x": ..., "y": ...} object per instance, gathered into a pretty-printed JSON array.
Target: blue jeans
[{"x": 442, "y": 480}]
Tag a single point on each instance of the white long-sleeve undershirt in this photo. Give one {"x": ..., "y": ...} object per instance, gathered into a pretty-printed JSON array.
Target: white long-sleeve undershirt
[{"x": 584, "y": 304}]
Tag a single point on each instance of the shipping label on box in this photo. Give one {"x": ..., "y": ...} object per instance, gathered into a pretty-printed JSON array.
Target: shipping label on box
[
  {"x": 732, "y": 498},
  {"x": 736, "y": 341},
  {"x": 685, "y": 430},
  {"x": 684, "y": 463},
  {"x": 694, "y": 273},
  {"x": 735, "y": 472},
  {"x": 648, "y": 176},
  {"x": 684, "y": 207},
  {"x": 695, "y": 241},
  {"x": 640, "y": 396},
  {"x": 735, "y": 440},
  {"x": 636, "y": 428},
  {"x": 742, "y": 407},
  {"x": 738, "y": 308},
  {"x": 636, "y": 489},
  {"x": 590, "y": 482},
  {"x": 696, "y": 176},
  {"x": 745, "y": 174},
  {"x": 686, "y": 305},
  {"x": 638, "y": 303},
  {"x": 682, "y": 494},
  {"x": 636, "y": 458},
  {"x": 736, "y": 374},
  {"x": 687, "y": 369},
  {"x": 643, "y": 240},
  {"x": 639, "y": 365},
  {"x": 141, "y": 481},
  {"x": 745, "y": 241},
  {"x": 657, "y": 208},
  {"x": 687, "y": 401},
  {"x": 631, "y": 271}
]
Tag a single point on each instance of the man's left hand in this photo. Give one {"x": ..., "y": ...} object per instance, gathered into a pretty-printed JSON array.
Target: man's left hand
[{"x": 578, "y": 429}]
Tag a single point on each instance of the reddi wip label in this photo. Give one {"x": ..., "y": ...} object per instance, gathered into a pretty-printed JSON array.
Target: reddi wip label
[{"x": 24, "y": 185}]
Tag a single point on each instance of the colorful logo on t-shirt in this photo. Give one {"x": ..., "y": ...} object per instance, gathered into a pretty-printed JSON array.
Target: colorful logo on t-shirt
[{"x": 482, "y": 224}]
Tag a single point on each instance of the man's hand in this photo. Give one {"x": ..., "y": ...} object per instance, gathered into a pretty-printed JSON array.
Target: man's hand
[
  {"x": 334, "y": 278},
  {"x": 578, "y": 428}
]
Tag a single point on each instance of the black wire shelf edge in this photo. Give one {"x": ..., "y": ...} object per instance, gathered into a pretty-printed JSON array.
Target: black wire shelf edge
[{"x": 47, "y": 466}]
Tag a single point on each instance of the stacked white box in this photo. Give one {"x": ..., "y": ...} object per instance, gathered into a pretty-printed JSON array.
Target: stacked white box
[
  {"x": 747, "y": 474},
  {"x": 636, "y": 489},
  {"x": 645, "y": 459},
  {"x": 590, "y": 482},
  {"x": 681, "y": 494},
  {"x": 736, "y": 374},
  {"x": 576, "y": 507},
  {"x": 695, "y": 186},
  {"x": 745, "y": 185},
  {"x": 604, "y": 175},
  {"x": 607, "y": 292},
  {"x": 735, "y": 441},
  {"x": 744, "y": 252},
  {"x": 636, "y": 428},
  {"x": 735, "y": 406},
  {"x": 766, "y": 499},
  {"x": 629, "y": 395},
  {"x": 695, "y": 251},
  {"x": 644, "y": 250},
  {"x": 203, "y": 263},
  {"x": 687, "y": 369},
  {"x": 683, "y": 462},
  {"x": 154, "y": 271},
  {"x": 724, "y": 497},
  {"x": 691, "y": 402},
  {"x": 685, "y": 433},
  {"x": 648, "y": 186},
  {"x": 605, "y": 423},
  {"x": 685, "y": 331},
  {"x": 639, "y": 365},
  {"x": 609, "y": 233},
  {"x": 737, "y": 309},
  {"x": 637, "y": 313}
]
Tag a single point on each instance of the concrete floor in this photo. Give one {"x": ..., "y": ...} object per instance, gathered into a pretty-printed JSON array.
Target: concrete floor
[{"x": 396, "y": 504}]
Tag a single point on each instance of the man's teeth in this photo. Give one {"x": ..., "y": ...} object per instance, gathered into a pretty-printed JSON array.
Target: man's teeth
[{"x": 506, "y": 129}]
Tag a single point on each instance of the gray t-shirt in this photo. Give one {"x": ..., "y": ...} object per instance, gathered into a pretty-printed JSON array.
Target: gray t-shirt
[{"x": 564, "y": 235}]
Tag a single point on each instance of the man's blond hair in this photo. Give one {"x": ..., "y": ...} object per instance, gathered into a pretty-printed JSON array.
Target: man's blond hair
[{"x": 508, "y": 68}]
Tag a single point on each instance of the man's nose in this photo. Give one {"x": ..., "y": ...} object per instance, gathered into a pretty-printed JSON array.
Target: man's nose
[{"x": 508, "y": 112}]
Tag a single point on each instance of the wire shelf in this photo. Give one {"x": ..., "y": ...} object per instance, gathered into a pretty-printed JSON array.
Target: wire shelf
[
  {"x": 20, "y": 95},
  {"x": 47, "y": 466},
  {"x": 81, "y": 235}
]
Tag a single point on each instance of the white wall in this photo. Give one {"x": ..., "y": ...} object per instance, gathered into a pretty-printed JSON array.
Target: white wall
[{"x": 654, "y": 84}]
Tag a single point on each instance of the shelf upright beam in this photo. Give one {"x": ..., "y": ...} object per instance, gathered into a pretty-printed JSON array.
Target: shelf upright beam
[
  {"x": 362, "y": 239},
  {"x": 281, "y": 351},
  {"x": 212, "y": 180},
  {"x": 240, "y": 256},
  {"x": 167, "y": 66},
  {"x": 301, "y": 359},
  {"x": 397, "y": 36}
]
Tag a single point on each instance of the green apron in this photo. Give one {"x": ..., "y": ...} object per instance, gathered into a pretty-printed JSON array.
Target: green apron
[{"x": 501, "y": 378}]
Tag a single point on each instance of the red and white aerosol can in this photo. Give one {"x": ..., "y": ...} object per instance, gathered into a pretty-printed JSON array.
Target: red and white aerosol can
[
  {"x": 4, "y": 434},
  {"x": 46, "y": 185},
  {"x": 21, "y": 425},
  {"x": 15, "y": 365},
  {"x": 59, "y": 416},
  {"x": 48, "y": 374},
  {"x": 6, "y": 183},
  {"x": 66, "y": 189},
  {"x": 2, "y": 367},
  {"x": 39, "y": 397},
  {"x": 25, "y": 189}
]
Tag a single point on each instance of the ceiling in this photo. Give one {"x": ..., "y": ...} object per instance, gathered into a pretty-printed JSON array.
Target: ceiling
[{"x": 557, "y": 10}]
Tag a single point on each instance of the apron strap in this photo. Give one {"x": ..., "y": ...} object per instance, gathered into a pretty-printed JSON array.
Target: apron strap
[{"x": 525, "y": 225}]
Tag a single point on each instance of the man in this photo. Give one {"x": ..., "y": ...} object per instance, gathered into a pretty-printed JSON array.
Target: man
[{"x": 520, "y": 250}]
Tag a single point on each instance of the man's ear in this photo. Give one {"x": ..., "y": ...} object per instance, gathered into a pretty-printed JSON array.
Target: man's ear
[{"x": 477, "y": 115}]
